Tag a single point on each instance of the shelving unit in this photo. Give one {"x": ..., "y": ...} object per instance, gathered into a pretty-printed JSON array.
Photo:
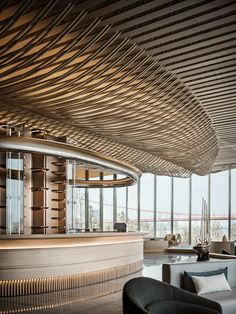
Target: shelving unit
[
  {"x": 39, "y": 188},
  {"x": 39, "y": 196},
  {"x": 32, "y": 189},
  {"x": 3, "y": 176},
  {"x": 3, "y": 193},
  {"x": 58, "y": 194},
  {"x": 48, "y": 179}
]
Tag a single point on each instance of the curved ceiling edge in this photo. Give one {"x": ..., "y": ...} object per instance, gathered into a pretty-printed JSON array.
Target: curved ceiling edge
[
  {"x": 146, "y": 162},
  {"x": 69, "y": 152}
]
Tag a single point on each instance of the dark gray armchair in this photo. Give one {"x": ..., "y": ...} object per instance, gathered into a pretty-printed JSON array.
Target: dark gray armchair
[{"x": 150, "y": 296}]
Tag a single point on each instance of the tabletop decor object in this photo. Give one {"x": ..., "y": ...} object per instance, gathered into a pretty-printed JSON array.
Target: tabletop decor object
[{"x": 203, "y": 244}]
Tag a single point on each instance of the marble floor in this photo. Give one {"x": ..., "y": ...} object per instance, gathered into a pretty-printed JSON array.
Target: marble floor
[{"x": 85, "y": 300}]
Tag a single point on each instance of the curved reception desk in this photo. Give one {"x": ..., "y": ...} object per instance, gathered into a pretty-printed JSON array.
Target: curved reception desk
[{"x": 39, "y": 264}]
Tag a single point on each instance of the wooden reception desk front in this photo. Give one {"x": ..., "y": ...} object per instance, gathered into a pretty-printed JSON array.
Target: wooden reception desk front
[{"x": 38, "y": 264}]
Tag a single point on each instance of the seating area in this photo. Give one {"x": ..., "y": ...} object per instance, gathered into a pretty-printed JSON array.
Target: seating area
[
  {"x": 220, "y": 272},
  {"x": 147, "y": 295}
]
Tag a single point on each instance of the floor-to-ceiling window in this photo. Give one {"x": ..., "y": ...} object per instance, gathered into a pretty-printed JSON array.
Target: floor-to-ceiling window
[
  {"x": 163, "y": 206},
  {"x": 219, "y": 204},
  {"x": 75, "y": 199},
  {"x": 15, "y": 193},
  {"x": 132, "y": 208},
  {"x": 181, "y": 208},
  {"x": 147, "y": 204},
  {"x": 199, "y": 194},
  {"x": 108, "y": 210},
  {"x": 94, "y": 202},
  {"x": 159, "y": 205},
  {"x": 121, "y": 204},
  {"x": 233, "y": 204},
  {"x": 94, "y": 208}
]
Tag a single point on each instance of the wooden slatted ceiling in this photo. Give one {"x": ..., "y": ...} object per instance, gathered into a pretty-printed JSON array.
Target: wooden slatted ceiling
[
  {"x": 135, "y": 74},
  {"x": 197, "y": 41}
]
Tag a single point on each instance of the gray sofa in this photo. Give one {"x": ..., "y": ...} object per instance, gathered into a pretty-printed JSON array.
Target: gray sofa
[{"x": 174, "y": 275}]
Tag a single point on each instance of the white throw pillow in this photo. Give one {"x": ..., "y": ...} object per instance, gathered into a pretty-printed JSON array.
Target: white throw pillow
[{"x": 209, "y": 284}]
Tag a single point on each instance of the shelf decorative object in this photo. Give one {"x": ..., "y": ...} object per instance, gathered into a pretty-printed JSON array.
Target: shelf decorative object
[{"x": 203, "y": 244}]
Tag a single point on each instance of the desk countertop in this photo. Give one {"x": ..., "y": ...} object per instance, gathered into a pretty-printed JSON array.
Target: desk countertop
[{"x": 15, "y": 242}]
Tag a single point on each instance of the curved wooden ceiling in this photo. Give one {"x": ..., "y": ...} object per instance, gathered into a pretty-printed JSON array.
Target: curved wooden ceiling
[{"x": 148, "y": 82}]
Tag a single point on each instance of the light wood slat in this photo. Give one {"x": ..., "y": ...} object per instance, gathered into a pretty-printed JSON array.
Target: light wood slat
[
  {"x": 216, "y": 106},
  {"x": 109, "y": 8},
  {"x": 205, "y": 69},
  {"x": 219, "y": 86},
  {"x": 181, "y": 68},
  {"x": 224, "y": 77},
  {"x": 154, "y": 4},
  {"x": 176, "y": 32},
  {"x": 216, "y": 92},
  {"x": 166, "y": 44},
  {"x": 213, "y": 57},
  {"x": 173, "y": 8},
  {"x": 210, "y": 73},
  {"x": 202, "y": 49},
  {"x": 180, "y": 21},
  {"x": 218, "y": 95}
]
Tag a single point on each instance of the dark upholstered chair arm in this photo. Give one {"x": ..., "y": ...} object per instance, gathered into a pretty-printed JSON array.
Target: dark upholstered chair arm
[
  {"x": 132, "y": 307},
  {"x": 140, "y": 293}
]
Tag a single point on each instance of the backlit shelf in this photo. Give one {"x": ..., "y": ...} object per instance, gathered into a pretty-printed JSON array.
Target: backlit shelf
[
  {"x": 39, "y": 169},
  {"x": 58, "y": 173},
  {"x": 38, "y": 188},
  {"x": 58, "y": 218},
  {"x": 58, "y": 191},
  {"x": 58, "y": 163},
  {"x": 39, "y": 207}
]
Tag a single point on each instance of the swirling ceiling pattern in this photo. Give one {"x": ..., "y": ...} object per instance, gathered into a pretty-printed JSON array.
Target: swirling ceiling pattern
[{"x": 75, "y": 69}]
